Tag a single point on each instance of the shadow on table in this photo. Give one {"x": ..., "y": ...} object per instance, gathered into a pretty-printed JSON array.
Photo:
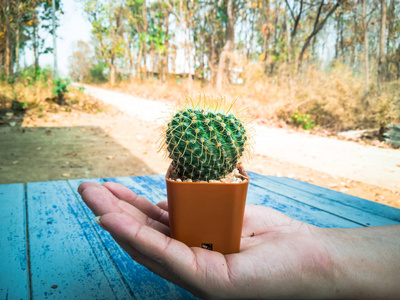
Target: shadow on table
[{"x": 29, "y": 154}]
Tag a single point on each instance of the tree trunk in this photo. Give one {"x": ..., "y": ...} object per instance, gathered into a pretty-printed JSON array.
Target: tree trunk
[
  {"x": 139, "y": 63},
  {"x": 382, "y": 39},
  {"x": 8, "y": 45},
  {"x": 35, "y": 48},
  {"x": 275, "y": 36},
  {"x": 228, "y": 48},
  {"x": 129, "y": 62},
  {"x": 17, "y": 38},
  {"x": 354, "y": 44},
  {"x": 112, "y": 73},
  {"x": 339, "y": 37},
  {"x": 366, "y": 45},
  {"x": 250, "y": 48},
  {"x": 166, "y": 52},
  {"x": 1, "y": 63},
  {"x": 391, "y": 21},
  {"x": 211, "y": 53},
  {"x": 267, "y": 34},
  {"x": 296, "y": 25},
  {"x": 55, "y": 68},
  {"x": 145, "y": 28},
  {"x": 189, "y": 53}
]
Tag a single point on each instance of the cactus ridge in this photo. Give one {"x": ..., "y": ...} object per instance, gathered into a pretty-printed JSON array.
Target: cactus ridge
[{"x": 205, "y": 144}]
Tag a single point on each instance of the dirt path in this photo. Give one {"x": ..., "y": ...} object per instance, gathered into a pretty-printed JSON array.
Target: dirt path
[
  {"x": 367, "y": 164},
  {"x": 72, "y": 145}
]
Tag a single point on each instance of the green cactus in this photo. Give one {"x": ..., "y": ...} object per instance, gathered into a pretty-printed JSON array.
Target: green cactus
[{"x": 205, "y": 142}]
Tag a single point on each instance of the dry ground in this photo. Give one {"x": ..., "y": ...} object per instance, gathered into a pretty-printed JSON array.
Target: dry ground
[{"x": 72, "y": 145}]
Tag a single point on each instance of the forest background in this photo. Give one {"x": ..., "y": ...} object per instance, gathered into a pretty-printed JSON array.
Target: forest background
[{"x": 330, "y": 64}]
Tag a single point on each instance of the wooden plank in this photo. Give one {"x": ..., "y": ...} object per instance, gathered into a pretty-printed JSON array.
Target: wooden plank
[
  {"x": 114, "y": 276},
  {"x": 256, "y": 196},
  {"x": 153, "y": 189},
  {"x": 143, "y": 283},
  {"x": 338, "y": 198},
  {"x": 144, "y": 186},
  {"x": 63, "y": 263},
  {"x": 296, "y": 210},
  {"x": 14, "y": 273},
  {"x": 332, "y": 206}
]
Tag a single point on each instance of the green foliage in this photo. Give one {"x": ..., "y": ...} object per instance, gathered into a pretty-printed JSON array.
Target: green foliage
[
  {"x": 31, "y": 74},
  {"x": 60, "y": 86},
  {"x": 96, "y": 73},
  {"x": 303, "y": 120},
  {"x": 18, "y": 106},
  {"x": 11, "y": 80},
  {"x": 205, "y": 144}
]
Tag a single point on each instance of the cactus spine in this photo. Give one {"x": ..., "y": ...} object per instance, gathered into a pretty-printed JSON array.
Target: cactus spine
[{"x": 204, "y": 141}]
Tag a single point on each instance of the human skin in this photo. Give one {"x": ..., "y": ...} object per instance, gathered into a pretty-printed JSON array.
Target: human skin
[{"x": 279, "y": 258}]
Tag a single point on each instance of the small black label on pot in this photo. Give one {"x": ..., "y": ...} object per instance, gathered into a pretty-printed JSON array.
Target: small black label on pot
[{"x": 207, "y": 246}]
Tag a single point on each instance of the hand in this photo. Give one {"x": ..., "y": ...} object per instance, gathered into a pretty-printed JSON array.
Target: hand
[
  {"x": 279, "y": 257},
  {"x": 273, "y": 246}
]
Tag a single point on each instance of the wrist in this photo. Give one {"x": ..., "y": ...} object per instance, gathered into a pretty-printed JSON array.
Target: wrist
[{"x": 365, "y": 262}]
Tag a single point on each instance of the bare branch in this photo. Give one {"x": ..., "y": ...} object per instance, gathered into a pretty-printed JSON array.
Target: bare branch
[
  {"x": 317, "y": 27},
  {"x": 290, "y": 9}
]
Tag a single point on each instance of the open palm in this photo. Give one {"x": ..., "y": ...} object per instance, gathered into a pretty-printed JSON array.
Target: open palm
[{"x": 278, "y": 257}]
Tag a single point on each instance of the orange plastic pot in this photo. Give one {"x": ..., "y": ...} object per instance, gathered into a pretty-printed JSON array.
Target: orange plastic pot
[{"x": 207, "y": 215}]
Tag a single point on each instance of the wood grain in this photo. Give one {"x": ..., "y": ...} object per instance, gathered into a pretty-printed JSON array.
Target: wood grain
[
  {"x": 70, "y": 256},
  {"x": 14, "y": 280}
]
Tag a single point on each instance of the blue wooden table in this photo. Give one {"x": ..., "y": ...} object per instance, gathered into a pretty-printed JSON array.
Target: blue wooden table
[{"x": 51, "y": 247}]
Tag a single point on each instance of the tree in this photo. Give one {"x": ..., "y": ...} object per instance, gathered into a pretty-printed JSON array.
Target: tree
[
  {"x": 382, "y": 44},
  {"x": 8, "y": 42},
  {"x": 137, "y": 29},
  {"x": 296, "y": 19},
  {"x": 108, "y": 29},
  {"x": 19, "y": 26},
  {"x": 318, "y": 25},
  {"x": 366, "y": 45},
  {"x": 81, "y": 61},
  {"x": 228, "y": 47}
]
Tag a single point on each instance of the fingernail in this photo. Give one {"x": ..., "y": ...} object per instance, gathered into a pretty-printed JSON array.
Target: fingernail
[{"x": 97, "y": 220}]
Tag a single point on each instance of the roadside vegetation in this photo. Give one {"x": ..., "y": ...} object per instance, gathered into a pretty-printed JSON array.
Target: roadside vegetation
[
  {"x": 316, "y": 65},
  {"x": 36, "y": 93},
  {"x": 33, "y": 90},
  {"x": 333, "y": 101}
]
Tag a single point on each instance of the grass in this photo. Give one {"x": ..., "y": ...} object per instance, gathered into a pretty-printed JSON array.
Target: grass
[{"x": 37, "y": 98}]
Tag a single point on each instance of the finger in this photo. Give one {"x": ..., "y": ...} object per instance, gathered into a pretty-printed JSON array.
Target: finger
[
  {"x": 168, "y": 255},
  {"x": 163, "y": 205},
  {"x": 143, "y": 218},
  {"x": 99, "y": 199},
  {"x": 151, "y": 265},
  {"x": 200, "y": 271},
  {"x": 148, "y": 208},
  {"x": 85, "y": 185}
]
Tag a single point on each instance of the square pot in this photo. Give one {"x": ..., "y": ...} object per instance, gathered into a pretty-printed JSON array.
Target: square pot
[{"x": 207, "y": 215}]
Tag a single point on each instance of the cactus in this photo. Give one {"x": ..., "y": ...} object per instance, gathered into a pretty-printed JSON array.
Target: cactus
[{"x": 205, "y": 141}]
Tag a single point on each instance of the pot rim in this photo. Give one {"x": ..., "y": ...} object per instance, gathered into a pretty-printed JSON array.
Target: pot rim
[{"x": 239, "y": 167}]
